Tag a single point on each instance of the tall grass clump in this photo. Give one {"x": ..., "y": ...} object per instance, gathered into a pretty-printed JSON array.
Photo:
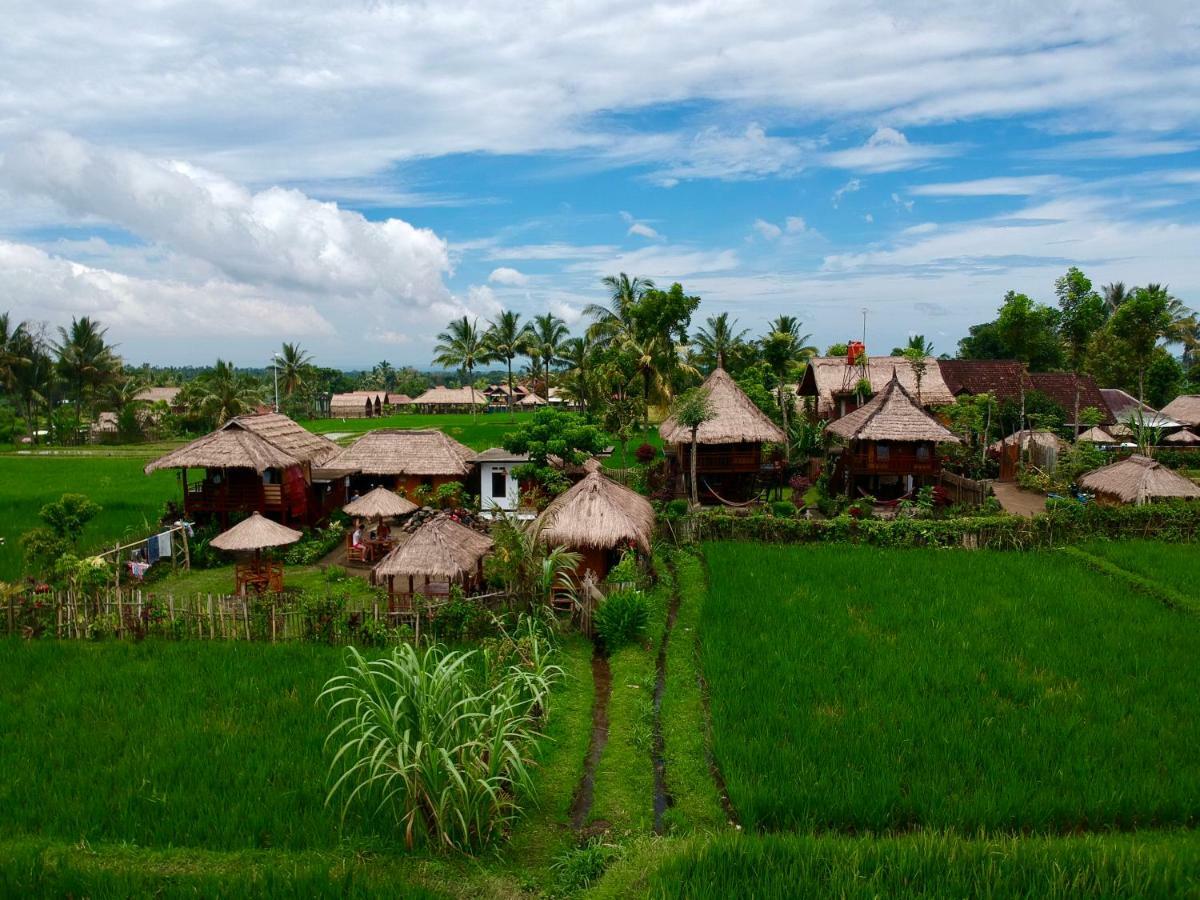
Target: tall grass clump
[
  {"x": 440, "y": 742},
  {"x": 871, "y": 689},
  {"x": 621, "y": 618}
]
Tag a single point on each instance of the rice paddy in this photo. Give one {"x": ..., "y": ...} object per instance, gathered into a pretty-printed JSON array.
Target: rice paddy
[
  {"x": 1175, "y": 565},
  {"x": 863, "y": 689}
]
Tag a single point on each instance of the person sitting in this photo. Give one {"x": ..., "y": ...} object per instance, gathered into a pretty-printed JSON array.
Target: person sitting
[
  {"x": 384, "y": 531},
  {"x": 356, "y": 539}
]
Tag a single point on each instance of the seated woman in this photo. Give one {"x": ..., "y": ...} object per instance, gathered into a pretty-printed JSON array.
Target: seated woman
[{"x": 356, "y": 539}]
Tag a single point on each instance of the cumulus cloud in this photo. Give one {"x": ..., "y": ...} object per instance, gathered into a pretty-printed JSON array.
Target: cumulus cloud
[
  {"x": 508, "y": 276},
  {"x": 641, "y": 229},
  {"x": 888, "y": 150},
  {"x": 768, "y": 230},
  {"x": 569, "y": 313}
]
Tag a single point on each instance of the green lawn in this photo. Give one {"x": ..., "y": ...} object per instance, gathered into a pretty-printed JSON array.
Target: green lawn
[
  {"x": 131, "y": 501},
  {"x": 863, "y": 688}
]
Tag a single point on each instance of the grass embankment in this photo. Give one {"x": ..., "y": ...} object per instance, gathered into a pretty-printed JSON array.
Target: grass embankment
[
  {"x": 869, "y": 689},
  {"x": 221, "y": 581},
  {"x": 207, "y": 757},
  {"x": 131, "y": 501},
  {"x": 924, "y": 865},
  {"x": 1175, "y": 565}
]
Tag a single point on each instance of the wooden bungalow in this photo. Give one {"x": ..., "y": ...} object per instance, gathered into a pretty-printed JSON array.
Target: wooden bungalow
[
  {"x": 262, "y": 463},
  {"x": 404, "y": 459},
  {"x": 1137, "y": 480},
  {"x": 891, "y": 445},
  {"x": 445, "y": 400},
  {"x": 599, "y": 519},
  {"x": 838, "y": 385},
  {"x": 729, "y": 444},
  {"x": 440, "y": 553}
]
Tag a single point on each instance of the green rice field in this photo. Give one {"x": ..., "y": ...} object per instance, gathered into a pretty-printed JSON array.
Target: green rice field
[
  {"x": 866, "y": 689},
  {"x": 1175, "y": 565},
  {"x": 129, "y": 498}
]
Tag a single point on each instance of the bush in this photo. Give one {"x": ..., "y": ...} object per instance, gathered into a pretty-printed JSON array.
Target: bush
[
  {"x": 461, "y": 620},
  {"x": 645, "y": 452},
  {"x": 324, "y": 616},
  {"x": 677, "y": 508},
  {"x": 627, "y": 571},
  {"x": 621, "y": 618},
  {"x": 784, "y": 509},
  {"x": 578, "y": 868},
  {"x": 316, "y": 545}
]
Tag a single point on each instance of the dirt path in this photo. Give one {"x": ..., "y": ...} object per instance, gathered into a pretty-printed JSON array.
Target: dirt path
[
  {"x": 662, "y": 797},
  {"x": 1018, "y": 502},
  {"x": 581, "y": 803}
]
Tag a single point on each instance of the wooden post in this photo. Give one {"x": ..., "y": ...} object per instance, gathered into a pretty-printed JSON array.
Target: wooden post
[
  {"x": 246, "y": 616},
  {"x": 272, "y": 621},
  {"x": 209, "y": 616},
  {"x": 187, "y": 553}
]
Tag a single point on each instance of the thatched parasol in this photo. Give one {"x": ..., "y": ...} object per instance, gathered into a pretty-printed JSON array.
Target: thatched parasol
[
  {"x": 735, "y": 419},
  {"x": 440, "y": 549},
  {"x": 379, "y": 504},
  {"x": 892, "y": 415},
  {"x": 1181, "y": 438},
  {"x": 1096, "y": 435},
  {"x": 255, "y": 533},
  {"x": 1138, "y": 480},
  {"x": 597, "y": 512}
]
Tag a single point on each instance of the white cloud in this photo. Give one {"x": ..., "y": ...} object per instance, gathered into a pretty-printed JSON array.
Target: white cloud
[
  {"x": 508, "y": 276},
  {"x": 641, "y": 229},
  {"x": 768, "y": 230},
  {"x": 1018, "y": 186},
  {"x": 888, "y": 150},
  {"x": 481, "y": 301},
  {"x": 713, "y": 153},
  {"x": 900, "y": 201},
  {"x": 570, "y": 314},
  {"x": 1124, "y": 146},
  {"x": 794, "y": 224},
  {"x": 850, "y": 187}
]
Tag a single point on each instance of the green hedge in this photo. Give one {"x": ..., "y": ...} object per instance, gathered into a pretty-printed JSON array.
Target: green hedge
[{"x": 1174, "y": 521}]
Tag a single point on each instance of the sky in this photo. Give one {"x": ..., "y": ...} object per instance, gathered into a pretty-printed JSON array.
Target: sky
[{"x": 212, "y": 179}]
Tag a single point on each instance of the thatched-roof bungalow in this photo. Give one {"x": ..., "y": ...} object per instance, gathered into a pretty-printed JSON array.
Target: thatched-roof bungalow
[
  {"x": 439, "y": 553},
  {"x": 598, "y": 519},
  {"x": 1138, "y": 480},
  {"x": 833, "y": 382},
  {"x": 444, "y": 399},
  {"x": 259, "y": 463},
  {"x": 1096, "y": 435},
  {"x": 891, "y": 445},
  {"x": 167, "y": 395},
  {"x": 1183, "y": 438},
  {"x": 359, "y": 404},
  {"x": 729, "y": 444},
  {"x": 1184, "y": 409},
  {"x": 404, "y": 459}
]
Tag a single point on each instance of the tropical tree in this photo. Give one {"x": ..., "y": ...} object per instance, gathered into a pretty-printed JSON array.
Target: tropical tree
[
  {"x": 461, "y": 347},
  {"x": 222, "y": 393},
  {"x": 580, "y": 357},
  {"x": 1142, "y": 319},
  {"x": 11, "y": 349},
  {"x": 35, "y": 378},
  {"x": 1114, "y": 295},
  {"x": 916, "y": 343},
  {"x": 544, "y": 342},
  {"x": 784, "y": 348},
  {"x": 917, "y": 360},
  {"x": 86, "y": 362},
  {"x": 691, "y": 410},
  {"x": 611, "y": 322},
  {"x": 383, "y": 374},
  {"x": 293, "y": 366},
  {"x": 1082, "y": 313},
  {"x": 716, "y": 339},
  {"x": 505, "y": 339}
]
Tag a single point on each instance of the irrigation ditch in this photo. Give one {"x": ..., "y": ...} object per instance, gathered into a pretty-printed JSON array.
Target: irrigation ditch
[
  {"x": 662, "y": 796},
  {"x": 581, "y": 802}
]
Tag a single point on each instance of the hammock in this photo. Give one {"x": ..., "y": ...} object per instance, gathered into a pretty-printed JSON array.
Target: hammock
[
  {"x": 888, "y": 503},
  {"x": 755, "y": 499}
]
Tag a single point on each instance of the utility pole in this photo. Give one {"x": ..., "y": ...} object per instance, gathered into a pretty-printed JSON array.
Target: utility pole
[{"x": 275, "y": 369}]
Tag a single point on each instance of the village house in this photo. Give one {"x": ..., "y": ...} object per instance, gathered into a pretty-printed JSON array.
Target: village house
[
  {"x": 404, "y": 460},
  {"x": 834, "y": 386}
]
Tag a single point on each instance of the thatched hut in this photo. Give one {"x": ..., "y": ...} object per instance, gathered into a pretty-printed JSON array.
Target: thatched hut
[
  {"x": 891, "y": 445},
  {"x": 253, "y": 535},
  {"x": 1184, "y": 409},
  {"x": 598, "y": 519},
  {"x": 359, "y": 404},
  {"x": 405, "y": 459},
  {"x": 260, "y": 463},
  {"x": 840, "y": 384},
  {"x": 1138, "y": 480},
  {"x": 1183, "y": 438},
  {"x": 443, "y": 400},
  {"x": 1096, "y": 435},
  {"x": 380, "y": 503},
  {"x": 439, "y": 553},
  {"x": 729, "y": 444}
]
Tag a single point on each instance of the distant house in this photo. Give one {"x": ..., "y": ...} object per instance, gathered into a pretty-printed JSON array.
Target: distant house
[
  {"x": 262, "y": 463},
  {"x": 728, "y": 445},
  {"x": 1060, "y": 387},
  {"x": 834, "y": 382},
  {"x": 1138, "y": 480},
  {"x": 167, "y": 395},
  {"x": 1184, "y": 409},
  {"x": 443, "y": 400},
  {"x": 404, "y": 459},
  {"x": 498, "y": 487},
  {"x": 891, "y": 445},
  {"x": 360, "y": 404}
]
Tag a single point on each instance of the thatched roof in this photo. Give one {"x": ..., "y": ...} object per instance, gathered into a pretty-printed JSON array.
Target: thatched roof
[
  {"x": 255, "y": 533},
  {"x": 1026, "y": 436},
  {"x": 1181, "y": 437},
  {"x": 735, "y": 418},
  {"x": 1184, "y": 409},
  {"x": 1138, "y": 480},
  {"x": 597, "y": 512},
  {"x": 1096, "y": 435},
  {"x": 405, "y": 451},
  {"x": 499, "y": 454},
  {"x": 1125, "y": 409},
  {"x": 258, "y": 442},
  {"x": 827, "y": 377},
  {"x": 379, "y": 504},
  {"x": 892, "y": 415},
  {"x": 444, "y": 396},
  {"x": 441, "y": 548},
  {"x": 165, "y": 395},
  {"x": 530, "y": 400}
]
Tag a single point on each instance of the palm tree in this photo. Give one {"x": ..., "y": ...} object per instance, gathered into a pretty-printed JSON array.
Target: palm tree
[
  {"x": 579, "y": 356},
  {"x": 505, "y": 339},
  {"x": 1114, "y": 295},
  {"x": 716, "y": 338},
  {"x": 545, "y": 340},
  {"x": 293, "y": 366},
  {"x": 461, "y": 347},
  {"x": 11, "y": 347},
  {"x": 784, "y": 348},
  {"x": 222, "y": 393},
  {"x": 916, "y": 345},
  {"x": 693, "y": 409},
  {"x": 612, "y": 321},
  {"x": 384, "y": 375},
  {"x": 85, "y": 361}
]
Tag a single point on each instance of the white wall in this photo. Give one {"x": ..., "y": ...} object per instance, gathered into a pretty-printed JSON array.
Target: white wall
[{"x": 509, "y": 501}]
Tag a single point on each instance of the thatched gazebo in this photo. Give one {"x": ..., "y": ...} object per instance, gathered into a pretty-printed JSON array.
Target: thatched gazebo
[
  {"x": 439, "y": 553},
  {"x": 599, "y": 519},
  {"x": 891, "y": 445},
  {"x": 253, "y": 535},
  {"x": 1182, "y": 438},
  {"x": 380, "y": 503},
  {"x": 1096, "y": 435},
  {"x": 405, "y": 459},
  {"x": 729, "y": 444},
  {"x": 1138, "y": 480}
]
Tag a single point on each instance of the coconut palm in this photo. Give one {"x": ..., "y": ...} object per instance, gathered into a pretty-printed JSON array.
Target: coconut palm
[
  {"x": 461, "y": 347},
  {"x": 222, "y": 393},
  {"x": 1114, "y": 295},
  {"x": 11, "y": 348},
  {"x": 505, "y": 339},
  {"x": 716, "y": 339},
  {"x": 293, "y": 366},
  {"x": 917, "y": 345},
  {"x": 544, "y": 343},
  {"x": 610, "y": 322},
  {"x": 578, "y": 381},
  {"x": 86, "y": 362}
]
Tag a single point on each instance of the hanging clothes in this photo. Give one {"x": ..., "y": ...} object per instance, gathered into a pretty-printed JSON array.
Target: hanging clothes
[
  {"x": 138, "y": 569},
  {"x": 152, "y": 550},
  {"x": 164, "y": 545}
]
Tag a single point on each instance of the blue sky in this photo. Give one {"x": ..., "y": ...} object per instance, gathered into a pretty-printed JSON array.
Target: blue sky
[{"x": 211, "y": 180}]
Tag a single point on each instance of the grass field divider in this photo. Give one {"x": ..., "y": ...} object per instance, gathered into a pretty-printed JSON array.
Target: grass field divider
[
  {"x": 662, "y": 794},
  {"x": 581, "y": 800},
  {"x": 1164, "y": 594}
]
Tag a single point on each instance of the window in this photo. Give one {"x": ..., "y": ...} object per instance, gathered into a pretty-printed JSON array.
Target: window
[
  {"x": 499, "y": 483},
  {"x": 923, "y": 452},
  {"x": 883, "y": 452}
]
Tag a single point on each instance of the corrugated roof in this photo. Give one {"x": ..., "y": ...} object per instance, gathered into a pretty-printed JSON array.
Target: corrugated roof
[{"x": 1060, "y": 387}]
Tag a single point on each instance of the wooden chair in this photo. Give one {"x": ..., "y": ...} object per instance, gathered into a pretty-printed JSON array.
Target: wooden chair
[{"x": 355, "y": 554}]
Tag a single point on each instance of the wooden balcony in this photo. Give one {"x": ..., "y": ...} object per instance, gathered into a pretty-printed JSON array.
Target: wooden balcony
[{"x": 204, "y": 496}]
